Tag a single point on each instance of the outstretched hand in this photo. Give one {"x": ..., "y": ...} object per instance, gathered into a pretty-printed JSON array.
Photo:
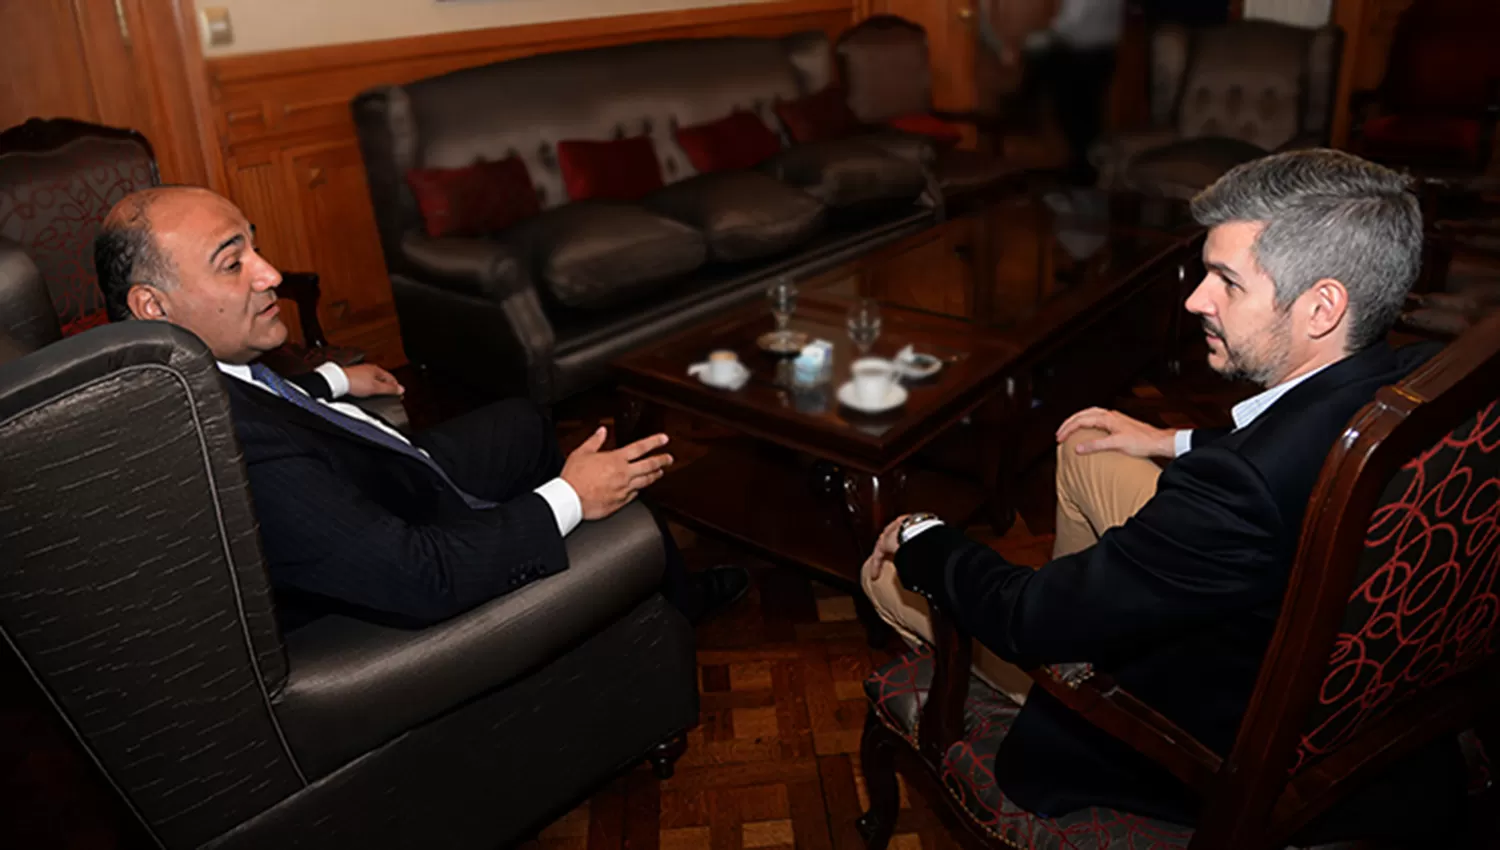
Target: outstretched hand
[
  {"x": 1127, "y": 435},
  {"x": 608, "y": 481}
]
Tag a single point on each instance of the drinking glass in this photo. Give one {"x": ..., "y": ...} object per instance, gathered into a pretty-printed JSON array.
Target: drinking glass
[
  {"x": 864, "y": 324},
  {"x": 783, "y": 297}
]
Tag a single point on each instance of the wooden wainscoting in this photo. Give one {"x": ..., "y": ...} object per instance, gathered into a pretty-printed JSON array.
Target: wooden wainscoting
[{"x": 291, "y": 159}]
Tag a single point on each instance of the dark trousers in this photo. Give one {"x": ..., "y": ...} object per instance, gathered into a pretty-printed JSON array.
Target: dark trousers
[
  {"x": 1076, "y": 83},
  {"x": 507, "y": 449}
]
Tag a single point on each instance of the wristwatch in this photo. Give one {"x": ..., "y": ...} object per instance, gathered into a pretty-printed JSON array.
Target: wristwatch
[{"x": 912, "y": 523}]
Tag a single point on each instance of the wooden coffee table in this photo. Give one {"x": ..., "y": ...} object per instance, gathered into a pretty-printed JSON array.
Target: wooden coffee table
[{"x": 795, "y": 477}]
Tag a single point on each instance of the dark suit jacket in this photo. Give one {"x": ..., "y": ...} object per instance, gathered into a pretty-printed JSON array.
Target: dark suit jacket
[
  {"x": 1178, "y": 604},
  {"x": 348, "y": 523}
]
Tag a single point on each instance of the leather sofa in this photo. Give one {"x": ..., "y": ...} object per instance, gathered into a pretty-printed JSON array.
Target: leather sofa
[
  {"x": 498, "y": 311},
  {"x": 135, "y": 598}
]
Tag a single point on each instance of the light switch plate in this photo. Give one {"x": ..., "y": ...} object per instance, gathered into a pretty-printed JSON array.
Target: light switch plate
[{"x": 217, "y": 30}]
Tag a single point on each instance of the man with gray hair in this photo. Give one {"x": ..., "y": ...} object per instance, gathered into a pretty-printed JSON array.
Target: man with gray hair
[{"x": 1171, "y": 580}]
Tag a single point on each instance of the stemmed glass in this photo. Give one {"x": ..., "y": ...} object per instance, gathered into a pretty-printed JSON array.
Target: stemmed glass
[
  {"x": 783, "y": 297},
  {"x": 864, "y": 324}
]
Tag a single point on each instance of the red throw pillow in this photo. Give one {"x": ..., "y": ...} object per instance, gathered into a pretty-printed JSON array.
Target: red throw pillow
[
  {"x": 621, "y": 170},
  {"x": 930, "y": 126},
  {"x": 818, "y": 117},
  {"x": 481, "y": 198},
  {"x": 740, "y": 140}
]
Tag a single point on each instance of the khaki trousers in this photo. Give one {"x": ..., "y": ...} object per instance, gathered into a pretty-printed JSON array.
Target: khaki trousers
[{"x": 1095, "y": 492}]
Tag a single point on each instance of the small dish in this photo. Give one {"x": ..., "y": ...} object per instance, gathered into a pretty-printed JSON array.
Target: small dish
[
  {"x": 894, "y": 398},
  {"x": 741, "y": 376},
  {"x": 782, "y": 342},
  {"x": 919, "y": 366}
]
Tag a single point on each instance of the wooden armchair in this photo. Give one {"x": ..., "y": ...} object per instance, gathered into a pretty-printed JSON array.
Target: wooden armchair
[{"x": 1387, "y": 639}]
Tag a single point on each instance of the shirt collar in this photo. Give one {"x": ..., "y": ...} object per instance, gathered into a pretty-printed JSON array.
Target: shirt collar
[
  {"x": 238, "y": 370},
  {"x": 1251, "y": 408}
]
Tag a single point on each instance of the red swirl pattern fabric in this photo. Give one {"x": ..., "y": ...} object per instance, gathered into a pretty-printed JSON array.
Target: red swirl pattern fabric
[
  {"x": 52, "y": 205},
  {"x": 1426, "y": 603}
]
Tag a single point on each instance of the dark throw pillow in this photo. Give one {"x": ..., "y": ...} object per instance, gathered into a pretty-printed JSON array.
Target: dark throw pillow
[
  {"x": 744, "y": 215},
  {"x": 619, "y": 170},
  {"x": 739, "y": 140},
  {"x": 847, "y": 173},
  {"x": 481, "y": 198},
  {"x": 591, "y": 255},
  {"x": 818, "y": 117}
]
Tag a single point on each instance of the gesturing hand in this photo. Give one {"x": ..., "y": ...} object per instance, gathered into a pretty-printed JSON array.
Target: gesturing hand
[
  {"x": 885, "y": 549},
  {"x": 367, "y": 379},
  {"x": 1127, "y": 435},
  {"x": 608, "y": 481}
]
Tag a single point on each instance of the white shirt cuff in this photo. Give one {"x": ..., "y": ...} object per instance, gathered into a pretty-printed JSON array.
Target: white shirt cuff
[
  {"x": 338, "y": 382},
  {"x": 1182, "y": 442},
  {"x": 564, "y": 502},
  {"x": 920, "y": 527}
]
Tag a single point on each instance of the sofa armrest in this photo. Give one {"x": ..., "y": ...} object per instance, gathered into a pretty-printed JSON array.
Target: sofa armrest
[
  {"x": 1113, "y": 155},
  {"x": 472, "y": 266},
  {"x": 354, "y": 685}
]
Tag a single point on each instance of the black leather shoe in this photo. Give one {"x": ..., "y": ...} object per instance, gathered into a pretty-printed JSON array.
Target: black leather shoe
[{"x": 715, "y": 589}]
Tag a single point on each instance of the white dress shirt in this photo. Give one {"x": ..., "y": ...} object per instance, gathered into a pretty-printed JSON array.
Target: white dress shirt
[
  {"x": 557, "y": 493},
  {"x": 1246, "y": 411}
]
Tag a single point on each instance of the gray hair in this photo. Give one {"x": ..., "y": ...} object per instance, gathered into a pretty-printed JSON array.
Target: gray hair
[
  {"x": 1327, "y": 214},
  {"x": 126, "y": 254}
]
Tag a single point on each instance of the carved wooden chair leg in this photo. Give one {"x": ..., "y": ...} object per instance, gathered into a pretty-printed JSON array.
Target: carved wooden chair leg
[
  {"x": 664, "y": 756},
  {"x": 877, "y": 758}
]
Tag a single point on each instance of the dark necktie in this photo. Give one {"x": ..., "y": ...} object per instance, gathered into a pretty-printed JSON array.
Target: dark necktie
[{"x": 359, "y": 428}]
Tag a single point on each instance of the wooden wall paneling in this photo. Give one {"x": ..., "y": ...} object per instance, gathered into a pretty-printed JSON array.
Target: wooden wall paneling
[
  {"x": 42, "y": 67},
  {"x": 291, "y": 158}
]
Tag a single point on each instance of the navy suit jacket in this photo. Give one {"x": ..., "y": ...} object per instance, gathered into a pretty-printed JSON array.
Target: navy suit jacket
[
  {"x": 347, "y": 524},
  {"x": 1178, "y": 604}
]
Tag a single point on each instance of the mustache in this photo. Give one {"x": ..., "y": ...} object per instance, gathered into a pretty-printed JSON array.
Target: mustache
[{"x": 1211, "y": 329}]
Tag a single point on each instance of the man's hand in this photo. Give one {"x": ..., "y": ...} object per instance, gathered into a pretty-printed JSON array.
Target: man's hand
[
  {"x": 367, "y": 379},
  {"x": 608, "y": 481},
  {"x": 885, "y": 548},
  {"x": 1127, "y": 435}
]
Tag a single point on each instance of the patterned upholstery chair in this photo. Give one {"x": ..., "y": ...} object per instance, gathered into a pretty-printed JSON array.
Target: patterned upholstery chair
[
  {"x": 1389, "y": 637},
  {"x": 1221, "y": 96}
]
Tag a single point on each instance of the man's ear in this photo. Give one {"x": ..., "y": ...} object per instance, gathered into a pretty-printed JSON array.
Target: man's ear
[
  {"x": 1328, "y": 305},
  {"x": 146, "y": 302}
]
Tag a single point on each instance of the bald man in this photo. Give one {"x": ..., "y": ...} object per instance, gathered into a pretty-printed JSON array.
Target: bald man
[{"x": 355, "y": 516}]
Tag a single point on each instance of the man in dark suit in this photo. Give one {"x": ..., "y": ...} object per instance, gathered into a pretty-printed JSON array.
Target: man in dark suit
[
  {"x": 354, "y": 515},
  {"x": 1309, "y": 257}
]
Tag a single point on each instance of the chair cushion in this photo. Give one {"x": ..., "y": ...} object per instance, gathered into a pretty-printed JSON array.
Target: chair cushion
[
  {"x": 1183, "y": 169},
  {"x": 595, "y": 254},
  {"x": 1421, "y": 136},
  {"x": 847, "y": 172},
  {"x": 739, "y": 140},
  {"x": 485, "y": 197},
  {"x": 618, "y": 170},
  {"x": 742, "y": 214},
  {"x": 929, "y": 125},
  {"x": 818, "y": 117}
]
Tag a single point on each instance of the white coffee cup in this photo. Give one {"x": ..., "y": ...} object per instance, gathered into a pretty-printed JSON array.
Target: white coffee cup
[
  {"x": 873, "y": 378},
  {"x": 723, "y": 367}
]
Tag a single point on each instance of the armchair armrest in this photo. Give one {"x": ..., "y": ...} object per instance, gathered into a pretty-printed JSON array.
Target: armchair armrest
[
  {"x": 472, "y": 266},
  {"x": 353, "y": 685},
  {"x": 1113, "y": 155},
  {"x": 1095, "y": 697}
]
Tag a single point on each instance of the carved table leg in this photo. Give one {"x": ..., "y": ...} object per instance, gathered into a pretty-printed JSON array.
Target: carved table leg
[
  {"x": 664, "y": 756},
  {"x": 870, "y": 503},
  {"x": 999, "y": 436}
]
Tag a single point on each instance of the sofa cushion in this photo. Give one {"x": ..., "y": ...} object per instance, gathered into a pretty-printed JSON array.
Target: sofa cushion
[
  {"x": 485, "y": 197},
  {"x": 847, "y": 172},
  {"x": 818, "y": 117},
  {"x": 743, "y": 215},
  {"x": 1182, "y": 169},
  {"x": 595, "y": 254},
  {"x": 738, "y": 140},
  {"x": 618, "y": 170}
]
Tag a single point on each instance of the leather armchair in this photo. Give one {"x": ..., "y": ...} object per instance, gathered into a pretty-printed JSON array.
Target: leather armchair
[
  {"x": 151, "y": 627},
  {"x": 1221, "y": 96}
]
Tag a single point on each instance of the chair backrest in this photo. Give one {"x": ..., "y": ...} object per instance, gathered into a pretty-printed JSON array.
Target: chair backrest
[
  {"x": 884, "y": 65},
  {"x": 133, "y": 591},
  {"x": 1257, "y": 81},
  {"x": 58, "y": 179},
  {"x": 1390, "y": 630}
]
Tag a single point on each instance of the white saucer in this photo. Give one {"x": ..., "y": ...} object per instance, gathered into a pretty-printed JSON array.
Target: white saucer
[
  {"x": 741, "y": 376},
  {"x": 893, "y": 399}
]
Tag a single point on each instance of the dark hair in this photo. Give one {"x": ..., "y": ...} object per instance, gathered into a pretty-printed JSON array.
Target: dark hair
[
  {"x": 1327, "y": 214},
  {"x": 126, "y": 255}
]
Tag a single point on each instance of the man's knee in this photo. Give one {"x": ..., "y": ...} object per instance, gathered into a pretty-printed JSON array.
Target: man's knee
[{"x": 1072, "y": 466}]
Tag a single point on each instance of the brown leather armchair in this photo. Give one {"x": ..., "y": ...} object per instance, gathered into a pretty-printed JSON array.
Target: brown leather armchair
[{"x": 1221, "y": 96}]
